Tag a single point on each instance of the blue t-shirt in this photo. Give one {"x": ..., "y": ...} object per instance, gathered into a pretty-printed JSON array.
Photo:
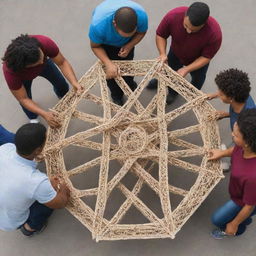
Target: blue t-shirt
[
  {"x": 102, "y": 30},
  {"x": 233, "y": 115},
  {"x": 21, "y": 185}
]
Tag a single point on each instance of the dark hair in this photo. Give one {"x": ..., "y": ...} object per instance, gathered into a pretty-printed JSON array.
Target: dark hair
[
  {"x": 234, "y": 83},
  {"x": 22, "y": 51},
  {"x": 198, "y": 13},
  {"x": 29, "y": 137},
  {"x": 126, "y": 19},
  {"x": 247, "y": 125}
]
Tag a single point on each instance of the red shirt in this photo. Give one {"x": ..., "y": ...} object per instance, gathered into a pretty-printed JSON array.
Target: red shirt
[
  {"x": 188, "y": 47},
  {"x": 242, "y": 184},
  {"x": 14, "y": 79}
]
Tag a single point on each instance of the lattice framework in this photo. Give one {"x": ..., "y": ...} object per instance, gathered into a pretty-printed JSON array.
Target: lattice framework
[{"x": 141, "y": 138}]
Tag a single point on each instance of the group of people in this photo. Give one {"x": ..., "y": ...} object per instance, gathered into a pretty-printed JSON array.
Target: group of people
[{"x": 117, "y": 26}]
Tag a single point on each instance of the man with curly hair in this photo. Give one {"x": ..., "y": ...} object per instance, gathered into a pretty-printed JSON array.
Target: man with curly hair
[
  {"x": 195, "y": 39},
  {"x": 234, "y": 89},
  {"x": 29, "y": 56},
  {"x": 232, "y": 218}
]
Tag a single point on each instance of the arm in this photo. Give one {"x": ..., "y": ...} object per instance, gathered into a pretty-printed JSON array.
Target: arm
[
  {"x": 67, "y": 70},
  {"x": 161, "y": 44},
  {"x": 111, "y": 68},
  {"x": 244, "y": 213},
  {"x": 215, "y": 154},
  {"x": 137, "y": 37},
  {"x": 61, "y": 199},
  {"x": 196, "y": 64},
  {"x": 26, "y": 102}
]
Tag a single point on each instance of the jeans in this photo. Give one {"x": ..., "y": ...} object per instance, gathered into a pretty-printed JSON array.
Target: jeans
[
  {"x": 112, "y": 52},
  {"x": 5, "y": 136},
  {"x": 38, "y": 215},
  {"x": 198, "y": 76},
  {"x": 54, "y": 76},
  {"x": 227, "y": 213}
]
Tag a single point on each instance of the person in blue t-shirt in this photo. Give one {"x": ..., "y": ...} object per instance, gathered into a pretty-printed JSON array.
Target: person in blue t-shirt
[
  {"x": 116, "y": 27},
  {"x": 233, "y": 89}
]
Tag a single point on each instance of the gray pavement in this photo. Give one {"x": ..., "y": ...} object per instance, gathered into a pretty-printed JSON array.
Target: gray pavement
[{"x": 67, "y": 23}]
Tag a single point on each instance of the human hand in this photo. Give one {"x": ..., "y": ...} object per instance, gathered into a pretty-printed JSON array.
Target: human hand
[
  {"x": 63, "y": 188},
  {"x": 112, "y": 70},
  {"x": 78, "y": 88},
  {"x": 51, "y": 119},
  {"x": 163, "y": 58},
  {"x": 124, "y": 51},
  {"x": 214, "y": 154},
  {"x": 231, "y": 229},
  {"x": 183, "y": 71},
  {"x": 39, "y": 158},
  {"x": 55, "y": 182},
  {"x": 211, "y": 96}
]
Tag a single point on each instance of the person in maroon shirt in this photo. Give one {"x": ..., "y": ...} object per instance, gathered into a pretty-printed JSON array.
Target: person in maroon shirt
[
  {"x": 29, "y": 56},
  {"x": 233, "y": 217},
  {"x": 195, "y": 39}
]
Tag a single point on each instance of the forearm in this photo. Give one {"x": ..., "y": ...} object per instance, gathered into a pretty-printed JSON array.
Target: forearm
[
  {"x": 68, "y": 72},
  {"x": 32, "y": 106},
  {"x": 244, "y": 213},
  {"x": 161, "y": 44},
  {"x": 197, "y": 64},
  {"x": 135, "y": 39},
  {"x": 227, "y": 152},
  {"x": 101, "y": 54}
]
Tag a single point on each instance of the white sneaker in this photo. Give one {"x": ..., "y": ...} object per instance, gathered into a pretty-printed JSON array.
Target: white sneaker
[
  {"x": 34, "y": 121},
  {"x": 224, "y": 165}
]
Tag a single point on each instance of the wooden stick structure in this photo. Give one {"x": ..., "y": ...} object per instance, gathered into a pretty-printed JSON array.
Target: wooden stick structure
[{"x": 139, "y": 139}]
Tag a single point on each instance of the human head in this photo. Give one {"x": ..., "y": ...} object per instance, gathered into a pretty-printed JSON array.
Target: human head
[
  {"x": 125, "y": 21},
  {"x": 233, "y": 85},
  {"x": 196, "y": 16},
  {"x": 24, "y": 51},
  {"x": 244, "y": 133},
  {"x": 30, "y": 139}
]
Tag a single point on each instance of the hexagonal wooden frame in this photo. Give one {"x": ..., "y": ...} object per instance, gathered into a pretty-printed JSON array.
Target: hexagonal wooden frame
[{"x": 126, "y": 126}]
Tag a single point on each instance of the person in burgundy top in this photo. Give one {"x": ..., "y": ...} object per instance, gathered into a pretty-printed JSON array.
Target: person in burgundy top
[
  {"x": 29, "y": 56},
  {"x": 195, "y": 39},
  {"x": 233, "y": 217}
]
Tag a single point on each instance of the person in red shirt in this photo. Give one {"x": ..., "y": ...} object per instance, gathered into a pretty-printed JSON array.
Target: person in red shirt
[
  {"x": 195, "y": 39},
  {"x": 233, "y": 217},
  {"x": 29, "y": 56}
]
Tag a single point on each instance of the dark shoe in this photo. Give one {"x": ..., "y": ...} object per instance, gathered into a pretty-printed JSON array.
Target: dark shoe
[
  {"x": 119, "y": 102},
  {"x": 133, "y": 86},
  {"x": 152, "y": 85},
  {"x": 170, "y": 98},
  {"x": 29, "y": 233}
]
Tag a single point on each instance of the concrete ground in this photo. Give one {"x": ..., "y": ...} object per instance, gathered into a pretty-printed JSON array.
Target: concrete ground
[{"x": 67, "y": 23}]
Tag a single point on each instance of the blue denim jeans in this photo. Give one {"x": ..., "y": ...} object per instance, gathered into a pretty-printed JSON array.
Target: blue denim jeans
[
  {"x": 198, "y": 76},
  {"x": 38, "y": 215},
  {"x": 54, "y": 76},
  {"x": 226, "y": 213},
  {"x": 5, "y": 136}
]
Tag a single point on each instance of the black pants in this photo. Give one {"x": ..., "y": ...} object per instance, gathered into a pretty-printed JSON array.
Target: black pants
[
  {"x": 112, "y": 52},
  {"x": 198, "y": 76}
]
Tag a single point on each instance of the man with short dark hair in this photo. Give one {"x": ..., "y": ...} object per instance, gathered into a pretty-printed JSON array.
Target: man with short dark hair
[
  {"x": 116, "y": 27},
  {"x": 196, "y": 38},
  {"x": 27, "y": 195},
  {"x": 29, "y": 56}
]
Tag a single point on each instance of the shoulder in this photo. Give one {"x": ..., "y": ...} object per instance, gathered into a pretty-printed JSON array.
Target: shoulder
[
  {"x": 178, "y": 12},
  {"x": 250, "y": 102},
  {"x": 214, "y": 28},
  {"x": 7, "y": 148},
  {"x": 48, "y": 46}
]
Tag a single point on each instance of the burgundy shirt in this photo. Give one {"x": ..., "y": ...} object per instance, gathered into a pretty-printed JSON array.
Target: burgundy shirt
[
  {"x": 14, "y": 79},
  {"x": 188, "y": 47},
  {"x": 242, "y": 184}
]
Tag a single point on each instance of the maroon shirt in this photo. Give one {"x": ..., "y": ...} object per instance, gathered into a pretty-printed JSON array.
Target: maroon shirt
[
  {"x": 188, "y": 47},
  {"x": 242, "y": 184},
  {"x": 14, "y": 79}
]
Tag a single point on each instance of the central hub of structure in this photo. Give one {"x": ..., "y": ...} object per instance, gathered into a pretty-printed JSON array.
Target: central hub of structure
[{"x": 133, "y": 139}]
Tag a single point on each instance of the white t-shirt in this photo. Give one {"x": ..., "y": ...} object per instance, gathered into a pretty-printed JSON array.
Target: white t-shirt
[{"x": 21, "y": 185}]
